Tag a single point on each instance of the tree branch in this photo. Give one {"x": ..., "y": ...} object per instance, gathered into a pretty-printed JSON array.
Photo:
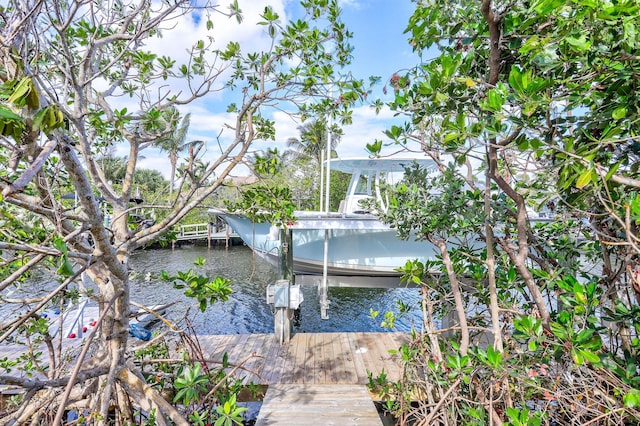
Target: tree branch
[{"x": 21, "y": 182}]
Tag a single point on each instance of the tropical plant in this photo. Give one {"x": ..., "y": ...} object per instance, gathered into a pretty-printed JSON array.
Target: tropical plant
[
  {"x": 313, "y": 141},
  {"x": 526, "y": 105},
  {"x": 79, "y": 80},
  {"x": 308, "y": 151},
  {"x": 175, "y": 140}
]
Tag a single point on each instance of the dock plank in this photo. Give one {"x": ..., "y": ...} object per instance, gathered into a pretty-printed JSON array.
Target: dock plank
[
  {"x": 347, "y": 375},
  {"x": 307, "y": 358},
  {"x": 319, "y": 358},
  {"x": 317, "y": 404},
  {"x": 252, "y": 367},
  {"x": 359, "y": 356},
  {"x": 382, "y": 359},
  {"x": 300, "y": 359},
  {"x": 220, "y": 344},
  {"x": 236, "y": 351},
  {"x": 290, "y": 369},
  {"x": 329, "y": 359},
  {"x": 274, "y": 359},
  {"x": 266, "y": 362}
]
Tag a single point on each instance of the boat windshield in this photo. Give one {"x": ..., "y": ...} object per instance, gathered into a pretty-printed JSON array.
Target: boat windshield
[
  {"x": 368, "y": 176},
  {"x": 363, "y": 186}
]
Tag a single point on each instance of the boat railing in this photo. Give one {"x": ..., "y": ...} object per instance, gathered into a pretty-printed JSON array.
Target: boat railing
[{"x": 77, "y": 318}]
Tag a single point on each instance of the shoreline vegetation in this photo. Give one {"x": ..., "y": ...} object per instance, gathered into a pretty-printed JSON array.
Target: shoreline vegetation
[{"x": 522, "y": 106}]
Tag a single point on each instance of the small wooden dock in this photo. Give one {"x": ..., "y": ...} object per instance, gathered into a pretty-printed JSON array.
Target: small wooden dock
[
  {"x": 208, "y": 232},
  {"x": 309, "y": 358},
  {"x": 315, "y": 379}
]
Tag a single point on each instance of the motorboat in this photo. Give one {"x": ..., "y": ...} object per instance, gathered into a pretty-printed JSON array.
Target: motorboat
[
  {"x": 350, "y": 247},
  {"x": 349, "y": 242},
  {"x": 78, "y": 319}
]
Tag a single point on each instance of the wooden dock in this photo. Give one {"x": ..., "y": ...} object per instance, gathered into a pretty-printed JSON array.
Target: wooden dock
[
  {"x": 315, "y": 379},
  {"x": 296, "y": 404},
  {"x": 309, "y": 358},
  {"x": 206, "y": 231}
]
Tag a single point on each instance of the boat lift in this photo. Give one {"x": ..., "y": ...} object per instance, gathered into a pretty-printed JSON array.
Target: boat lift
[{"x": 285, "y": 296}]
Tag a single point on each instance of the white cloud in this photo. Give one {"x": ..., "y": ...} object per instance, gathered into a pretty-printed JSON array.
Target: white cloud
[
  {"x": 366, "y": 128},
  {"x": 181, "y": 33},
  {"x": 356, "y": 4},
  {"x": 210, "y": 121}
]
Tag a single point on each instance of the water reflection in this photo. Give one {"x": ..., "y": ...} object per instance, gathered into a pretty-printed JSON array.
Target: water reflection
[{"x": 247, "y": 311}]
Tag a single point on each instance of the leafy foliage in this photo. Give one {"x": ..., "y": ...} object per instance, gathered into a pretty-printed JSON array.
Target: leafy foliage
[
  {"x": 527, "y": 107},
  {"x": 200, "y": 287},
  {"x": 80, "y": 85}
]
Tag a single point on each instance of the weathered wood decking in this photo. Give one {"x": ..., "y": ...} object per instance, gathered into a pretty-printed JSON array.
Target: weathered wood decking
[
  {"x": 317, "y": 404},
  {"x": 315, "y": 379},
  {"x": 309, "y": 358},
  {"x": 321, "y": 358}
]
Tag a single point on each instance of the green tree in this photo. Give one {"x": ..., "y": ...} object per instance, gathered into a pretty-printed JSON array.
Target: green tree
[
  {"x": 114, "y": 168},
  {"x": 312, "y": 144},
  {"x": 175, "y": 141},
  {"x": 151, "y": 181},
  {"x": 534, "y": 103},
  {"x": 309, "y": 151},
  {"x": 65, "y": 71}
]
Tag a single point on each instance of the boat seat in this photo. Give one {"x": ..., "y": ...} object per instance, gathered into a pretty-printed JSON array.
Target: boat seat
[{"x": 359, "y": 208}]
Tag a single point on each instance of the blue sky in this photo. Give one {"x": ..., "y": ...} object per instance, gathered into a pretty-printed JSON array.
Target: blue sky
[
  {"x": 380, "y": 49},
  {"x": 380, "y": 46}
]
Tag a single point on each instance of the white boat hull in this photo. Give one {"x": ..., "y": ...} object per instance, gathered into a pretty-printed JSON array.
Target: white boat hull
[{"x": 358, "y": 245}]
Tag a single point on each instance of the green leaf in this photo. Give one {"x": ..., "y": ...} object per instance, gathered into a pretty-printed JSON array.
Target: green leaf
[
  {"x": 585, "y": 178},
  {"x": 544, "y": 7},
  {"x": 589, "y": 355},
  {"x": 619, "y": 113},
  {"x": 374, "y": 148},
  {"x": 515, "y": 80},
  {"x": 495, "y": 100},
  {"x": 20, "y": 91},
  {"x": 66, "y": 269},
  {"x": 577, "y": 357},
  {"x": 612, "y": 171},
  {"x": 494, "y": 357},
  {"x": 632, "y": 398},
  {"x": 6, "y": 113},
  {"x": 580, "y": 44}
]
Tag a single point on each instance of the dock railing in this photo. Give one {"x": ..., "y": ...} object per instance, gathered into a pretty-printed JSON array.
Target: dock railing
[
  {"x": 193, "y": 231},
  {"x": 205, "y": 231}
]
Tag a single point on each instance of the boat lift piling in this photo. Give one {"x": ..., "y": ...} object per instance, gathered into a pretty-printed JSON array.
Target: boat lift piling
[
  {"x": 323, "y": 288},
  {"x": 285, "y": 296}
]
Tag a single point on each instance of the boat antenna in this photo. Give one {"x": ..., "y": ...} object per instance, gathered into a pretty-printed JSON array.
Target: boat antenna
[
  {"x": 321, "y": 180},
  {"x": 327, "y": 180}
]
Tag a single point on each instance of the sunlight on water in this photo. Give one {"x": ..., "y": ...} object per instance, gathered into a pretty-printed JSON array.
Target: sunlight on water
[{"x": 246, "y": 311}]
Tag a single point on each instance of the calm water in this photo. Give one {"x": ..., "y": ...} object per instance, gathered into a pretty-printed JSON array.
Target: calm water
[{"x": 246, "y": 311}]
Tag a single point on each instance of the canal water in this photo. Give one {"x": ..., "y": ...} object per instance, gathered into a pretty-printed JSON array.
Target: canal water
[{"x": 246, "y": 311}]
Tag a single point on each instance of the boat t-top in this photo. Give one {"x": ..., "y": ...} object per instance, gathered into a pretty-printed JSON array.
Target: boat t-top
[{"x": 349, "y": 242}]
